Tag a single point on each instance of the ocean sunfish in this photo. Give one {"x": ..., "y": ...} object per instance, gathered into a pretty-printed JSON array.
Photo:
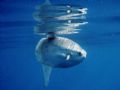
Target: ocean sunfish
[{"x": 58, "y": 52}]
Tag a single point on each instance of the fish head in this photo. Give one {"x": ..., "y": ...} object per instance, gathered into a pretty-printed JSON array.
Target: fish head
[{"x": 78, "y": 55}]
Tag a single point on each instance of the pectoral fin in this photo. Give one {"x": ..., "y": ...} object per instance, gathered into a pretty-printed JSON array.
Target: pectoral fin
[
  {"x": 46, "y": 72},
  {"x": 68, "y": 57}
]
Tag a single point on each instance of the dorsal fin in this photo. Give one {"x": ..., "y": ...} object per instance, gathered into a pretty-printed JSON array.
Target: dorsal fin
[{"x": 46, "y": 72}]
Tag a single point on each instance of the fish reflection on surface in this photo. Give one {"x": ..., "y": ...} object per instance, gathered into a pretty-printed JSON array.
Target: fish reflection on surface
[{"x": 59, "y": 18}]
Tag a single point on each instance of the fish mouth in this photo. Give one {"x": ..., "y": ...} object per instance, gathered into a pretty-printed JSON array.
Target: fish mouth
[{"x": 84, "y": 53}]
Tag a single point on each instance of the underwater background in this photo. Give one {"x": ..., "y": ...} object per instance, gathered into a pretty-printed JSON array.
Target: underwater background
[{"x": 19, "y": 69}]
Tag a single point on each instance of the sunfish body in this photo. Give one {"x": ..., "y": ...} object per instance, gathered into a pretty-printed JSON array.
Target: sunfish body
[{"x": 58, "y": 52}]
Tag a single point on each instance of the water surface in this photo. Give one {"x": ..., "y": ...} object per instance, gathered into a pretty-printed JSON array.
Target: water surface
[{"x": 19, "y": 69}]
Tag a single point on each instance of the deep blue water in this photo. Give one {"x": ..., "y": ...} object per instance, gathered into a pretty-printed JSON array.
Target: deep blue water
[{"x": 19, "y": 69}]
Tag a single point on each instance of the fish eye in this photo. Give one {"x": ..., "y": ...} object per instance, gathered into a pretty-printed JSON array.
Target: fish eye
[{"x": 79, "y": 53}]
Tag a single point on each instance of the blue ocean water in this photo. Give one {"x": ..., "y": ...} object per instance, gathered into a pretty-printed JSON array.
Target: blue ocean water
[{"x": 19, "y": 69}]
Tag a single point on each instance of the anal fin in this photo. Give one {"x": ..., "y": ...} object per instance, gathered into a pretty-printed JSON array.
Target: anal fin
[{"x": 46, "y": 72}]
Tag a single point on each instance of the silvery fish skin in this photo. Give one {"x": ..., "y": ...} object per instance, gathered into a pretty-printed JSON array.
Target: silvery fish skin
[{"x": 59, "y": 52}]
